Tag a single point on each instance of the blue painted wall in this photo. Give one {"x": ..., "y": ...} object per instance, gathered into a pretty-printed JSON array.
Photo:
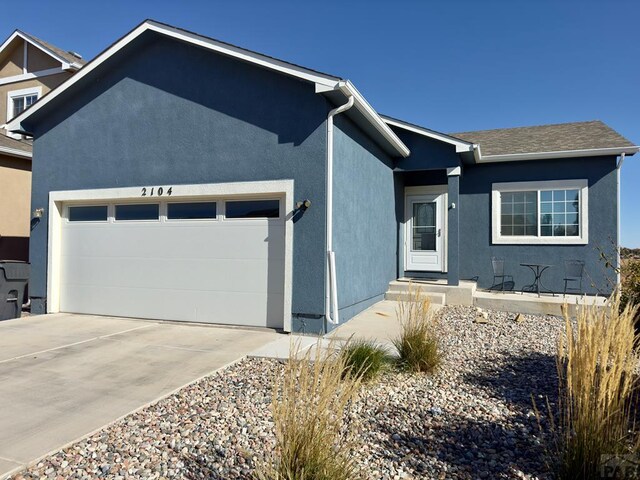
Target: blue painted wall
[
  {"x": 365, "y": 223},
  {"x": 426, "y": 153},
  {"x": 165, "y": 113},
  {"x": 475, "y": 222},
  {"x": 426, "y": 165}
]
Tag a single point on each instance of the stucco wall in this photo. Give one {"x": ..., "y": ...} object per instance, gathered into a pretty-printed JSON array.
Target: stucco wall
[
  {"x": 12, "y": 65},
  {"x": 15, "y": 204},
  {"x": 476, "y": 248},
  {"x": 426, "y": 153},
  {"x": 38, "y": 60},
  {"x": 365, "y": 224},
  {"x": 165, "y": 113},
  {"x": 47, "y": 83}
]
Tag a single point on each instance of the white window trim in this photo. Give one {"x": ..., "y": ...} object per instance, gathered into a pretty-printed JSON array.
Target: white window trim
[
  {"x": 59, "y": 199},
  {"x": 19, "y": 93},
  {"x": 498, "y": 188}
]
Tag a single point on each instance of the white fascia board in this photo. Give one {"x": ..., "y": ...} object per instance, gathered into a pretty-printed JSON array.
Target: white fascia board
[
  {"x": 241, "y": 53},
  {"x": 461, "y": 145},
  {"x": 31, "y": 75},
  {"x": 14, "y": 152},
  {"x": 373, "y": 117},
  {"x": 33, "y": 42},
  {"x": 560, "y": 154},
  {"x": 191, "y": 38}
]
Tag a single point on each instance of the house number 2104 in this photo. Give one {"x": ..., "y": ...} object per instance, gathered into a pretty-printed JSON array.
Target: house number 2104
[{"x": 157, "y": 191}]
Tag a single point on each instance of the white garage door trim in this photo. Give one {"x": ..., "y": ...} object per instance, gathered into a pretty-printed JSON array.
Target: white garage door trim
[{"x": 58, "y": 198}]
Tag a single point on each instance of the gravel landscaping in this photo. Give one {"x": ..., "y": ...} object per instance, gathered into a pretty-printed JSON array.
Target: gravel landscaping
[{"x": 473, "y": 419}]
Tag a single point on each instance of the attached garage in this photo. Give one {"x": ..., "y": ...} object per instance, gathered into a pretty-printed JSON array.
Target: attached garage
[{"x": 170, "y": 254}]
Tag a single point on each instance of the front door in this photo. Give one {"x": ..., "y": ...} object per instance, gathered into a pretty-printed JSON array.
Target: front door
[{"x": 425, "y": 233}]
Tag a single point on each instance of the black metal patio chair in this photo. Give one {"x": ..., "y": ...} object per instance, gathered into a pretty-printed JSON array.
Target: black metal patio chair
[
  {"x": 497, "y": 264},
  {"x": 573, "y": 273}
]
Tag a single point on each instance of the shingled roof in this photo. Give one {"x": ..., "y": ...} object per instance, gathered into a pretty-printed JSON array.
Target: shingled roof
[
  {"x": 11, "y": 144},
  {"x": 70, "y": 57},
  {"x": 560, "y": 137}
]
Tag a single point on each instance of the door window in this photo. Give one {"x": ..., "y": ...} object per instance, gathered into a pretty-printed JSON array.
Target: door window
[{"x": 424, "y": 226}]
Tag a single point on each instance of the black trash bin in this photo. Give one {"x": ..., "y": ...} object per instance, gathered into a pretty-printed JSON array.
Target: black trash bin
[{"x": 14, "y": 277}]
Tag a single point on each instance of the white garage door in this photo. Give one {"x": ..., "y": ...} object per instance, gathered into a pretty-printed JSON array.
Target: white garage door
[{"x": 203, "y": 260}]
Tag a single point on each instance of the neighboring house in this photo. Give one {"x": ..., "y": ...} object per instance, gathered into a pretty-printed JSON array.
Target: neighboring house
[
  {"x": 184, "y": 178},
  {"x": 29, "y": 68}
]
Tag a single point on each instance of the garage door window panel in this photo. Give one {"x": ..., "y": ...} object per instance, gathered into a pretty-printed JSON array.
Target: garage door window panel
[
  {"x": 92, "y": 213},
  {"x": 191, "y": 211},
  {"x": 253, "y": 209},
  {"x": 138, "y": 212}
]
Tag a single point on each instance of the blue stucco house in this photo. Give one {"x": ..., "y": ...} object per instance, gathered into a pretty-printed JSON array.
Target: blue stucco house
[{"x": 179, "y": 177}]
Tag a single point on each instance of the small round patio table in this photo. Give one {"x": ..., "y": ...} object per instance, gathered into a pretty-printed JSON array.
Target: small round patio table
[{"x": 537, "y": 286}]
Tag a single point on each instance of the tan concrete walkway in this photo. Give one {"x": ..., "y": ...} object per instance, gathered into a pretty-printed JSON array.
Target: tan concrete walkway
[
  {"x": 378, "y": 323},
  {"x": 63, "y": 376}
]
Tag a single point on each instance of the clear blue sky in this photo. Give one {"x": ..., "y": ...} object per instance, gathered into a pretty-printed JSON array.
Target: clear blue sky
[{"x": 450, "y": 66}]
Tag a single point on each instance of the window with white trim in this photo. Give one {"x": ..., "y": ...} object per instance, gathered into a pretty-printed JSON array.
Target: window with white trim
[
  {"x": 19, "y": 100},
  {"x": 540, "y": 212}
]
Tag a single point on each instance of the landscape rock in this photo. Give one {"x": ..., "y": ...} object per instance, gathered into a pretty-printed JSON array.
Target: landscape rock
[{"x": 473, "y": 418}]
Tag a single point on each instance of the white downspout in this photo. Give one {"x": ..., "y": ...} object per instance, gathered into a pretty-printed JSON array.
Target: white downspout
[
  {"x": 619, "y": 245},
  {"x": 331, "y": 291}
]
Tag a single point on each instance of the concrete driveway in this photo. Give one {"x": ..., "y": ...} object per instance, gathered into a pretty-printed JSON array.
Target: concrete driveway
[{"x": 63, "y": 376}]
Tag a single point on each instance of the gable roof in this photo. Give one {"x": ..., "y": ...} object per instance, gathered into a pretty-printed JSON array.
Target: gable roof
[
  {"x": 15, "y": 148},
  {"x": 334, "y": 88},
  {"x": 461, "y": 145},
  {"x": 68, "y": 60},
  {"x": 548, "y": 141},
  {"x": 69, "y": 56}
]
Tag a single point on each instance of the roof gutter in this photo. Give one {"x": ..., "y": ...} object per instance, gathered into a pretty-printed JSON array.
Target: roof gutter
[
  {"x": 331, "y": 290},
  {"x": 14, "y": 152},
  {"x": 592, "y": 152},
  {"x": 619, "y": 242},
  {"x": 361, "y": 104},
  {"x": 477, "y": 154}
]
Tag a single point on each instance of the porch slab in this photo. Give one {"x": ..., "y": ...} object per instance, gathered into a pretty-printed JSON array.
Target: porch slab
[
  {"x": 467, "y": 293},
  {"x": 532, "y": 304}
]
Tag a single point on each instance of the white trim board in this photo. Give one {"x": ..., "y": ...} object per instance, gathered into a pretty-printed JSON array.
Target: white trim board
[
  {"x": 592, "y": 152},
  {"x": 324, "y": 82},
  {"x": 14, "y": 152},
  {"x": 58, "y": 199},
  {"x": 65, "y": 64},
  {"x": 580, "y": 184},
  {"x": 20, "y": 93},
  {"x": 31, "y": 75},
  {"x": 461, "y": 145}
]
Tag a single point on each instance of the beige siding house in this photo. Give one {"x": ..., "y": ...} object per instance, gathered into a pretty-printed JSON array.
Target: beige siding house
[{"x": 29, "y": 69}]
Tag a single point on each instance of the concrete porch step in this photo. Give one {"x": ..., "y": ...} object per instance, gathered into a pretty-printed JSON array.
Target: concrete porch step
[
  {"x": 399, "y": 295},
  {"x": 461, "y": 294}
]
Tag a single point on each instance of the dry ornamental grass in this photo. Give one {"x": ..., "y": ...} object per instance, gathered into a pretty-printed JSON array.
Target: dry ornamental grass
[
  {"x": 419, "y": 345},
  {"x": 597, "y": 366},
  {"x": 309, "y": 404}
]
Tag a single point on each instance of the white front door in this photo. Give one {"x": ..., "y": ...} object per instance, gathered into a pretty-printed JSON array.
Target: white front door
[{"x": 425, "y": 233}]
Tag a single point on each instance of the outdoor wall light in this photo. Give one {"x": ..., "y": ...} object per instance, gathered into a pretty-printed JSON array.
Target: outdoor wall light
[
  {"x": 453, "y": 206},
  {"x": 303, "y": 205},
  {"x": 38, "y": 213}
]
